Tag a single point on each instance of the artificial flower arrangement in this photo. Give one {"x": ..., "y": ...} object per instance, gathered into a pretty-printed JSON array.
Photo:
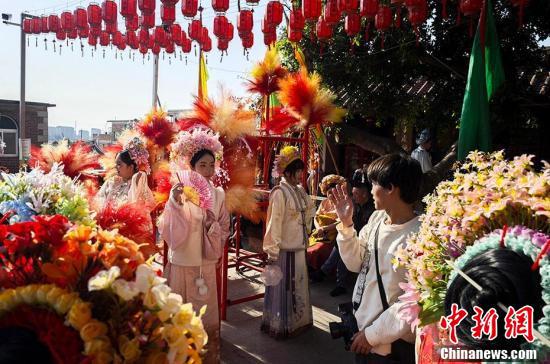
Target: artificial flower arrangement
[
  {"x": 488, "y": 193},
  {"x": 26, "y": 194},
  {"x": 90, "y": 297}
]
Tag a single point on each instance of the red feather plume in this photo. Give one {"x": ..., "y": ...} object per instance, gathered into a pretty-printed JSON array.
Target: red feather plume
[
  {"x": 131, "y": 220},
  {"x": 157, "y": 129},
  {"x": 280, "y": 121}
]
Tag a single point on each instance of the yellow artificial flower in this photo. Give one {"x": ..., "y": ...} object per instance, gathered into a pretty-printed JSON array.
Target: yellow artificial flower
[
  {"x": 92, "y": 330},
  {"x": 8, "y": 299},
  {"x": 129, "y": 349},
  {"x": 103, "y": 357},
  {"x": 173, "y": 335},
  {"x": 79, "y": 314},
  {"x": 97, "y": 345},
  {"x": 184, "y": 316},
  {"x": 157, "y": 357},
  {"x": 28, "y": 293},
  {"x": 53, "y": 295},
  {"x": 65, "y": 302},
  {"x": 42, "y": 292}
]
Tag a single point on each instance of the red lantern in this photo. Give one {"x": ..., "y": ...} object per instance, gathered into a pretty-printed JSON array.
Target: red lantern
[
  {"x": 67, "y": 21},
  {"x": 245, "y": 21},
  {"x": 61, "y": 35},
  {"x": 121, "y": 45},
  {"x": 132, "y": 23},
  {"x": 194, "y": 29},
  {"x": 222, "y": 44},
  {"x": 92, "y": 41},
  {"x": 247, "y": 40},
  {"x": 417, "y": 16},
  {"x": 109, "y": 11},
  {"x": 159, "y": 35},
  {"x": 117, "y": 38},
  {"x": 204, "y": 35},
  {"x": 147, "y": 7},
  {"x": 147, "y": 21},
  {"x": 131, "y": 39},
  {"x": 128, "y": 8},
  {"x": 220, "y": 6},
  {"x": 94, "y": 15},
  {"x": 186, "y": 45},
  {"x": 81, "y": 18},
  {"x": 143, "y": 50},
  {"x": 36, "y": 26},
  {"x": 294, "y": 35},
  {"x": 332, "y": 12},
  {"x": 175, "y": 32},
  {"x": 104, "y": 39},
  {"x": 167, "y": 14},
  {"x": 95, "y": 31},
  {"x": 111, "y": 28},
  {"x": 189, "y": 8},
  {"x": 369, "y": 8},
  {"x": 143, "y": 37},
  {"x": 398, "y": 5},
  {"x": 348, "y": 6},
  {"x": 311, "y": 9},
  {"x": 352, "y": 24},
  {"x": 151, "y": 42},
  {"x": 324, "y": 31},
  {"x": 84, "y": 32},
  {"x": 206, "y": 45},
  {"x": 297, "y": 21},
  {"x": 383, "y": 19},
  {"x": 220, "y": 26},
  {"x": 44, "y": 24},
  {"x": 230, "y": 32},
  {"x": 170, "y": 47},
  {"x": 470, "y": 7},
  {"x": 267, "y": 26},
  {"x": 274, "y": 12},
  {"x": 54, "y": 24},
  {"x": 169, "y": 2},
  {"x": 414, "y": 3},
  {"x": 270, "y": 38},
  {"x": 156, "y": 49}
]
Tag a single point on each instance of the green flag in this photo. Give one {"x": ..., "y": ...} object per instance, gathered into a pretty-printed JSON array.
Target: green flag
[{"x": 485, "y": 75}]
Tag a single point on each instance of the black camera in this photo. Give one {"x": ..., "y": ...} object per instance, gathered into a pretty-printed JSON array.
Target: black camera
[{"x": 347, "y": 328}]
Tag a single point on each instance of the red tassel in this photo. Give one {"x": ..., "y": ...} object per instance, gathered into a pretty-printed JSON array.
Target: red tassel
[
  {"x": 503, "y": 235},
  {"x": 542, "y": 253}
]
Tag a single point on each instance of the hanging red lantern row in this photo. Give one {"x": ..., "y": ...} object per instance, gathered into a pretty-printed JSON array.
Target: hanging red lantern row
[
  {"x": 84, "y": 32},
  {"x": 332, "y": 12},
  {"x": 324, "y": 31},
  {"x": 132, "y": 39},
  {"x": 383, "y": 20},
  {"x": 369, "y": 8},
  {"x": 72, "y": 34},
  {"x": 169, "y": 2},
  {"x": 117, "y": 38},
  {"x": 186, "y": 45},
  {"x": 398, "y": 4},
  {"x": 61, "y": 34},
  {"x": 109, "y": 11},
  {"x": 156, "y": 49},
  {"x": 132, "y": 23},
  {"x": 295, "y": 35},
  {"x": 204, "y": 34},
  {"x": 245, "y": 21},
  {"x": 54, "y": 24},
  {"x": 311, "y": 9},
  {"x": 27, "y": 26},
  {"x": 81, "y": 18},
  {"x": 270, "y": 38},
  {"x": 128, "y": 8},
  {"x": 104, "y": 39},
  {"x": 67, "y": 21},
  {"x": 220, "y": 26},
  {"x": 247, "y": 40},
  {"x": 36, "y": 26},
  {"x": 167, "y": 14},
  {"x": 223, "y": 44},
  {"x": 143, "y": 37},
  {"x": 194, "y": 30},
  {"x": 111, "y": 28},
  {"x": 147, "y": 21},
  {"x": 44, "y": 24},
  {"x": 189, "y": 8},
  {"x": 268, "y": 27},
  {"x": 352, "y": 24},
  {"x": 274, "y": 12},
  {"x": 230, "y": 32},
  {"x": 220, "y": 6},
  {"x": 175, "y": 32},
  {"x": 417, "y": 16},
  {"x": 94, "y": 15},
  {"x": 297, "y": 21},
  {"x": 159, "y": 35},
  {"x": 348, "y": 6},
  {"x": 147, "y": 7},
  {"x": 92, "y": 41},
  {"x": 206, "y": 44},
  {"x": 95, "y": 31}
]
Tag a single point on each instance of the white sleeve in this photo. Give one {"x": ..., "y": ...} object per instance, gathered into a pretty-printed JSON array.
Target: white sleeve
[
  {"x": 274, "y": 227},
  {"x": 388, "y": 327},
  {"x": 353, "y": 247},
  {"x": 425, "y": 161}
]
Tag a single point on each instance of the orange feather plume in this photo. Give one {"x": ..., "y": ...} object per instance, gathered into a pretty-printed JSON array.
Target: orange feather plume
[
  {"x": 162, "y": 183},
  {"x": 108, "y": 160},
  {"x": 280, "y": 121},
  {"x": 265, "y": 75},
  {"x": 78, "y": 159},
  {"x": 157, "y": 129},
  {"x": 306, "y": 100}
]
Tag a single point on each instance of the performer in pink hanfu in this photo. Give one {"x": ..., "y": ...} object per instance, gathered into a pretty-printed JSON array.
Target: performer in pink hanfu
[
  {"x": 287, "y": 309},
  {"x": 195, "y": 225}
]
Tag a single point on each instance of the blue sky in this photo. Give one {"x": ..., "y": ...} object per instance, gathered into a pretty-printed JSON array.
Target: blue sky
[{"x": 90, "y": 91}]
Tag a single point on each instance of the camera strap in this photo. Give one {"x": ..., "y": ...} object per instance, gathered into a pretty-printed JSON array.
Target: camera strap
[
  {"x": 364, "y": 270},
  {"x": 381, "y": 289}
]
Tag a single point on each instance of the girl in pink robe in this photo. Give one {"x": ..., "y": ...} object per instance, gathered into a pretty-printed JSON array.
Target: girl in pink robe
[{"x": 190, "y": 270}]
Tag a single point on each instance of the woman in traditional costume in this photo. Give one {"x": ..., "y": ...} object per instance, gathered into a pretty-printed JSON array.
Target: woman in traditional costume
[
  {"x": 323, "y": 237},
  {"x": 287, "y": 309},
  {"x": 195, "y": 225}
]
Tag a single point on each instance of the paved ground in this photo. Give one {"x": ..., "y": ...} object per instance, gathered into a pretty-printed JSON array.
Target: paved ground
[{"x": 243, "y": 342}]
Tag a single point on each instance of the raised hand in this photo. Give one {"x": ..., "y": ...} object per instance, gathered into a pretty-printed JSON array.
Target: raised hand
[
  {"x": 342, "y": 202},
  {"x": 176, "y": 192}
]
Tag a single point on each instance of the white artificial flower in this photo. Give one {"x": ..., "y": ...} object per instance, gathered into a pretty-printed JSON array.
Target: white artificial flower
[
  {"x": 124, "y": 289},
  {"x": 146, "y": 278},
  {"x": 103, "y": 279}
]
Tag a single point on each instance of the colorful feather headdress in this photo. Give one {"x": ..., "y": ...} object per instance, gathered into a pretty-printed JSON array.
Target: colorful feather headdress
[
  {"x": 265, "y": 75},
  {"x": 287, "y": 155},
  {"x": 139, "y": 154},
  {"x": 188, "y": 143},
  {"x": 304, "y": 99},
  {"x": 157, "y": 129}
]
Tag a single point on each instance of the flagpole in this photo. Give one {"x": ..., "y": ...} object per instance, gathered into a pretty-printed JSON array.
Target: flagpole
[{"x": 155, "y": 80}]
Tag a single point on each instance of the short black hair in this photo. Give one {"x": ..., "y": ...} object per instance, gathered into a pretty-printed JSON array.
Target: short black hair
[
  {"x": 398, "y": 171},
  {"x": 127, "y": 159},
  {"x": 294, "y": 167},
  {"x": 201, "y": 153},
  {"x": 363, "y": 185}
]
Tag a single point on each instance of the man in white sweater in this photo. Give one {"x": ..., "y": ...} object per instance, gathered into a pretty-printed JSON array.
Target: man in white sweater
[{"x": 382, "y": 336}]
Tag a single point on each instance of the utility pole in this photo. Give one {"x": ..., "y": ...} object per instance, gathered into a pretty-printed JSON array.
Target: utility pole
[{"x": 155, "y": 80}]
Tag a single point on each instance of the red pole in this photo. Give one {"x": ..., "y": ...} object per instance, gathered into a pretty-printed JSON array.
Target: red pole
[{"x": 305, "y": 153}]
